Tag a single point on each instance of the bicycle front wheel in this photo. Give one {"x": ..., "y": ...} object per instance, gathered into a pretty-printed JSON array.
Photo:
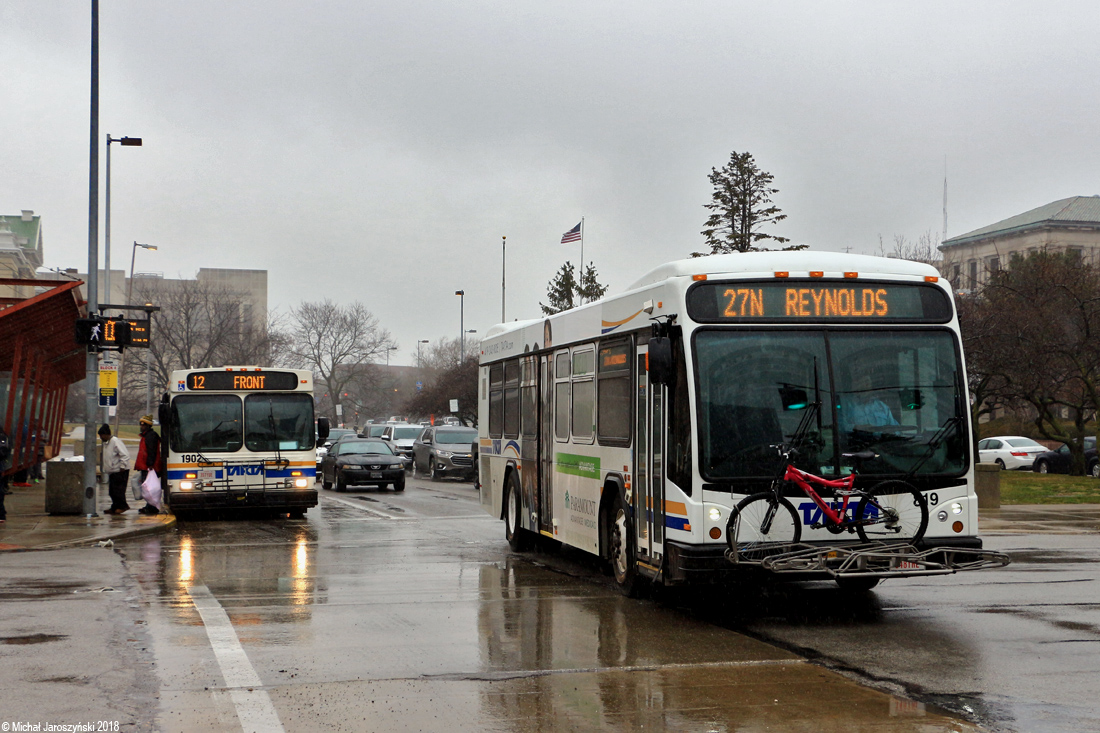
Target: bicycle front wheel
[
  {"x": 892, "y": 510},
  {"x": 761, "y": 520}
]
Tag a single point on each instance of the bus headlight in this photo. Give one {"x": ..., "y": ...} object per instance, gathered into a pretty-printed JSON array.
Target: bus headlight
[
  {"x": 187, "y": 485},
  {"x": 715, "y": 514},
  {"x": 956, "y": 508},
  {"x": 301, "y": 483}
]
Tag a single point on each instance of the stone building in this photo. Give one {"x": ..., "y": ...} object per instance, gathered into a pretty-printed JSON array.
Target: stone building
[
  {"x": 1071, "y": 225},
  {"x": 20, "y": 251}
]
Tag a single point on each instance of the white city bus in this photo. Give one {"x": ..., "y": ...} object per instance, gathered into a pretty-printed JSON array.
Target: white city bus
[
  {"x": 240, "y": 438},
  {"x": 586, "y": 440}
]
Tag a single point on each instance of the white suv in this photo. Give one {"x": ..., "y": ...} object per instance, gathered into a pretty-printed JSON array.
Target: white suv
[{"x": 402, "y": 436}]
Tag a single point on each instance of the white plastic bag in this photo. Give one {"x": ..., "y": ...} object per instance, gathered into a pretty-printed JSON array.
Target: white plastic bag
[
  {"x": 150, "y": 490},
  {"x": 135, "y": 484}
]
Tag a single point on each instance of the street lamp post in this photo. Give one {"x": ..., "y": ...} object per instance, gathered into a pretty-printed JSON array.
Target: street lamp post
[
  {"x": 122, "y": 355},
  {"x": 388, "y": 350},
  {"x": 129, "y": 142},
  {"x": 425, "y": 341},
  {"x": 503, "y": 272},
  {"x": 461, "y": 325}
]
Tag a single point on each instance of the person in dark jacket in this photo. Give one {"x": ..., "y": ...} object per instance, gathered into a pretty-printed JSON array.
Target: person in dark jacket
[
  {"x": 5, "y": 454},
  {"x": 148, "y": 457}
]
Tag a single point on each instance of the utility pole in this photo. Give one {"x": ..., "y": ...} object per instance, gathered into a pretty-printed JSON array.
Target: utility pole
[
  {"x": 91, "y": 360},
  {"x": 503, "y": 272}
]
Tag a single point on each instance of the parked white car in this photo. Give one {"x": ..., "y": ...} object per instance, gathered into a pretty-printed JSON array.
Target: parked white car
[{"x": 1010, "y": 451}]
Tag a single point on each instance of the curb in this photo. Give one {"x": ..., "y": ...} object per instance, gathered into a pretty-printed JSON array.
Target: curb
[{"x": 162, "y": 526}]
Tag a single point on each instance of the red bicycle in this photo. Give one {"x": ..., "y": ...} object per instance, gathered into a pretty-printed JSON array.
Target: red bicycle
[{"x": 889, "y": 510}]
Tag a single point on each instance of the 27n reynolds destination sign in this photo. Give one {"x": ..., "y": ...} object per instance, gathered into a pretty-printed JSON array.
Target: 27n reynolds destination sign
[{"x": 817, "y": 301}]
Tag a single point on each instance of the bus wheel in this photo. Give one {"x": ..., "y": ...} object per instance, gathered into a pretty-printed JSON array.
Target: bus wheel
[
  {"x": 514, "y": 532},
  {"x": 620, "y": 532}
]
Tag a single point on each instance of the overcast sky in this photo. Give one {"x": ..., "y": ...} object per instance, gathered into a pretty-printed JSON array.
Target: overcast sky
[{"x": 378, "y": 151}]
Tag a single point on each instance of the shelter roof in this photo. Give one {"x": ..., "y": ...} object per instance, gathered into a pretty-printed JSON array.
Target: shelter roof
[{"x": 46, "y": 321}]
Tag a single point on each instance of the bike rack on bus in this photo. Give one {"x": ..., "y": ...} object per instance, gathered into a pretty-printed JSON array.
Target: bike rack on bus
[{"x": 874, "y": 559}]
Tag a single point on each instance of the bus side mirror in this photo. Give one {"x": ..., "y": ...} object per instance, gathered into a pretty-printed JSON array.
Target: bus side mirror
[
  {"x": 659, "y": 360},
  {"x": 322, "y": 430},
  {"x": 162, "y": 415}
]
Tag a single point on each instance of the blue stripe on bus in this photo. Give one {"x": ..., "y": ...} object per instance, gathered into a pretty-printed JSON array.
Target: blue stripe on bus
[
  {"x": 676, "y": 522},
  {"x": 176, "y": 475}
]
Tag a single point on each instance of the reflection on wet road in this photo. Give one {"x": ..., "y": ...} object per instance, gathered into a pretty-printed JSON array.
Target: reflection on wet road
[{"x": 408, "y": 612}]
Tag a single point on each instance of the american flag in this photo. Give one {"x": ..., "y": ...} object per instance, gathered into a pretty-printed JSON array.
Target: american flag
[{"x": 573, "y": 235}]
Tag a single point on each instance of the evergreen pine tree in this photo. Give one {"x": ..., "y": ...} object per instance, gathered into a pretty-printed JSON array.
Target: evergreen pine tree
[
  {"x": 740, "y": 205},
  {"x": 589, "y": 288},
  {"x": 560, "y": 291}
]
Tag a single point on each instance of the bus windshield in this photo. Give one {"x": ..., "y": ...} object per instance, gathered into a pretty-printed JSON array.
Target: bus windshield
[
  {"x": 278, "y": 422},
  {"x": 206, "y": 424},
  {"x": 888, "y": 391}
]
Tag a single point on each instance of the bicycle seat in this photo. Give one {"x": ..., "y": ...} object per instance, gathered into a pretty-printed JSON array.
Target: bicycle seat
[{"x": 863, "y": 455}]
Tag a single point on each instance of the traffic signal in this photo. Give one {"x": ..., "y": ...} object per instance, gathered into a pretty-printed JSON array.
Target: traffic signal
[
  {"x": 116, "y": 332},
  {"x": 103, "y": 332},
  {"x": 89, "y": 331}
]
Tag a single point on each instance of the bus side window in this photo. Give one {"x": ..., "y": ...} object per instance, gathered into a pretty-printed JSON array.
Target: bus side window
[
  {"x": 561, "y": 396},
  {"x": 511, "y": 399},
  {"x": 529, "y": 411},
  {"x": 496, "y": 400},
  {"x": 584, "y": 395},
  {"x": 614, "y": 397}
]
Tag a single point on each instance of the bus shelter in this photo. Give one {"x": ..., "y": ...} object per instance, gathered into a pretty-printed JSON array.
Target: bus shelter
[{"x": 39, "y": 359}]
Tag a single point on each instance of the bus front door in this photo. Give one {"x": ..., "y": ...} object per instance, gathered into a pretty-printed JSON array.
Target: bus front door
[{"x": 649, "y": 494}]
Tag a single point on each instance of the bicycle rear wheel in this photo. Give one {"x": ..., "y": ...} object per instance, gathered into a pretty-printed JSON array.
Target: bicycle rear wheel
[
  {"x": 894, "y": 510},
  {"x": 762, "y": 520}
]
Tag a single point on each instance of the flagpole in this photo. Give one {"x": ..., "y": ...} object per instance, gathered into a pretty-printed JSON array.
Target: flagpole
[{"x": 579, "y": 281}]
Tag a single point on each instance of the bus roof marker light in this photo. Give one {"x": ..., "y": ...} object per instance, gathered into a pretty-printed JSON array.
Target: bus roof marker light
[
  {"x": 851, "y": 275},
  {"x": 931, "y": 279},
  {"x": 817, "y": 273},
  {"x": 699, "y": 277},
  {"x": 782, "y": 274}
]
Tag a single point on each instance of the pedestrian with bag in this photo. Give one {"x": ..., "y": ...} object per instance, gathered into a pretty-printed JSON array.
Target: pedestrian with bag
[
  {"x": 148, "y": 458},
  {"x": 116, "y": 464}
]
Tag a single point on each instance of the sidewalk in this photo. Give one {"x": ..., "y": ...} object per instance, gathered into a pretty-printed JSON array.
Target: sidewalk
[{"x": 30, "y": 528}]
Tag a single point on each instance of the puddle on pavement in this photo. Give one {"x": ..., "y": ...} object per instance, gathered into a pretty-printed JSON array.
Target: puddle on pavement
[{"x": 31, "y": 639}]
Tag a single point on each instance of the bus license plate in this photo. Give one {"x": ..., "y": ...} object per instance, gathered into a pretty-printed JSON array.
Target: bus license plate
[
  {"x": 376, "y": 474},
  {"x": 206, "y": 474}
]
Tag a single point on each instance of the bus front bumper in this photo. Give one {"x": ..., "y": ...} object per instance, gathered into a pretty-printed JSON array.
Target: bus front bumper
[{"x": 243, "y": 498}]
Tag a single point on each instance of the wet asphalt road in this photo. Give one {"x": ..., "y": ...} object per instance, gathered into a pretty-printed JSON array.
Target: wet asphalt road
[{"x": 394, "y": 612}]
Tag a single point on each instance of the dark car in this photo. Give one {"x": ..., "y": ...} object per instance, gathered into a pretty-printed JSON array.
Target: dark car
[
  {"x": 1059, "y": 461},
  {"x": 359, "y": 461},
  {"x": 444, "y": 451},
  {"x": 334, "y": 435}
]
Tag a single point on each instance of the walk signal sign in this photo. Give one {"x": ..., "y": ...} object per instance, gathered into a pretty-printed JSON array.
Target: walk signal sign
[{"x": 112, "y": 332}]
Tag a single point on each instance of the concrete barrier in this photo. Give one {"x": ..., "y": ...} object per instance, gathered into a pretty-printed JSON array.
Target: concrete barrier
[{"x": 988, "y": 485}]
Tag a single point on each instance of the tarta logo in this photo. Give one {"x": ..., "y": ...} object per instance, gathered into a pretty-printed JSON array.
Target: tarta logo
[{"x": 243, "y": 470}]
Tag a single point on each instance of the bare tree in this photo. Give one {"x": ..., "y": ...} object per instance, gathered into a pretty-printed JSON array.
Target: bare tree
[
  {"x": 1045, "y": 346},
  {"x": 338, "y": 343},
  {"x": 456, "y": 382},
  {"x": 926, "y": 249}
]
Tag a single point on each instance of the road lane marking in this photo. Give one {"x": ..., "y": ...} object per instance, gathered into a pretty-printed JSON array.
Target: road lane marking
[
  {"x": 380, "y": 513},
  {"x": 254, "y": 707}
]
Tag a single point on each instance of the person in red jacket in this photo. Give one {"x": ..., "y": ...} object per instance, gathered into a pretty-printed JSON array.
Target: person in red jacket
[{"x": 148, "y": 457}]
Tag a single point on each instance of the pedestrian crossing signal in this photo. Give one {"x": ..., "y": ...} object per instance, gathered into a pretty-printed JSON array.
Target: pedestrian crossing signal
[{"x": 103, "y": 332}]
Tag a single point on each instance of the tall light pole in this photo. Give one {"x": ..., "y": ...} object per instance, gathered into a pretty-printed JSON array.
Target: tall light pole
[
  {"x": 503, "y": 272},
  {"x": 473, "y": 330},
  {"x": 91, "y": 359},
  {"x": 128, "y": 141},
  {"x": 461, "y": 325},
  {"x": 388, "y": 350},
  {"x": 122, "y": 355},
  {"x": 425, "y": 341}
]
